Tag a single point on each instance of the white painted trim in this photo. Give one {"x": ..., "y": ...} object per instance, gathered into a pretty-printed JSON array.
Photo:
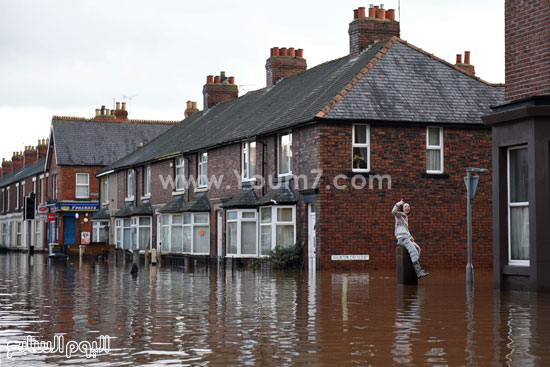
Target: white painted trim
[
  {"x": 360, "y": 145},
  {"x": 510, "y": 205},
  {"x": 439, "y": 147},
  {"x": 104, "y": 173}
]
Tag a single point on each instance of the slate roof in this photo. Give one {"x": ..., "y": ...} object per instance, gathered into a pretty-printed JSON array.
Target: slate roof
[
  {"x": 280, "y": 196},
  {"x": 199, "y": 203},
  {"x": 125, "y": 212},
  {"x": 144, "y": 208},
  {"x": 401, "y": 83},
  {"x": 23, "y": 172},
  {"x": 246, "y": 198},
  {"x": 102, "y": 214},
  {"x": 99, "y": 143},
  {"x": 174, "y": 206}
]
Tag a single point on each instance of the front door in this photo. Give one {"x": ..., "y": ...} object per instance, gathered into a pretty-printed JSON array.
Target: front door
[
  {"x": 69, "y": 230},
  {"x": 312, "y": 243}
]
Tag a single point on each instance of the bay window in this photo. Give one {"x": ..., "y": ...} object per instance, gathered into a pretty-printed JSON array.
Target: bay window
[
  {"x": 180, "y": 174},
  {"x": 518, "y": 206},
  {"x": 82, "y": 185},
  {"x": 360, "y": 150},
  {"x": 203, "y": 169},
  {"x": 242, "y": 233},
  {"x": 100, "y": 231},
  {"x": 284, "y": 154},
  {"x": 248, "y": 160},
  {"x": 123, "y": 229},
  {"x": 187, "y": 233},
  {"x": 277, "y": 227},
  {"x": 18, "y": 233},
  {"x": 141, "y": 233},
  {"x": 434, "y": 150}
]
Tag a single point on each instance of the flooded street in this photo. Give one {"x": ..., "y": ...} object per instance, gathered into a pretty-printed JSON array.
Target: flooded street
[{"x": 171, "y": 316}]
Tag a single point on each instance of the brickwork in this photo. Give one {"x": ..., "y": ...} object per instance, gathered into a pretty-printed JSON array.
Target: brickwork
[
  {"x": 527, "y": 49},
  {"x": 364, "y": 32},
  {"x": 279, "y": 67}
]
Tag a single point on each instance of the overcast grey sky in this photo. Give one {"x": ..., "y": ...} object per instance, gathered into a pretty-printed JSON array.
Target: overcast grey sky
[{"x": 69, "y": 57}]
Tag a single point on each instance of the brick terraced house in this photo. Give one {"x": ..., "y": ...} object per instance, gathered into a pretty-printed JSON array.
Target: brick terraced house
[
  {"x": 79, "y": 148},
  {"x": 335, "y": 145}
]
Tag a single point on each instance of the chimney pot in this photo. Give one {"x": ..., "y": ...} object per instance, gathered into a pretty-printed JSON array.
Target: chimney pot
[
  {"x": 364, "y": 32},
  {"x": 275, "y": 51},
  {"x": 355, "y": 13},
  {"x": 291, "y": 52},
  {"x": 372, "y": 12},
  {"x": 222, "y": 75},
  {"x": 123, "y": 106},
  {"x": 361, "y": 12},
  {"x": 194, "y": 105},
  {"x": 217, "y": 79},
  {"x": 459, "y": 58},
  {"x": 231, "y": 80},
  {"x": 284, "y": 51},
  {"x": 189, "y": 104},
  {"x": 271, "y": 52},
  {"x": 381, "y": 13},
  {"x": 300, "y": 53},
  {"x": 467, "y": 57},
  {"x": 390, "y": 14},
  {"x": 107, "y": 112},
  {"x": 97, "y": 112},
  {"x": 118, "y": 105},
  {"x": 210, "y": 79}
]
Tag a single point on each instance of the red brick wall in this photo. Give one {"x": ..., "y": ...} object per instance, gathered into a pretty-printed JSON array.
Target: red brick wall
[
  {"x": 360, "y": 221},
  {"x": 527, "y": 37},
  {"x": 67, "y": 183},
  {"x": 279, "y": 67}
]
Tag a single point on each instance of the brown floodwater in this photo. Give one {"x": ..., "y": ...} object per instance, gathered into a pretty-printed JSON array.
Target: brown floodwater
[{"x": 172, "y": 316}]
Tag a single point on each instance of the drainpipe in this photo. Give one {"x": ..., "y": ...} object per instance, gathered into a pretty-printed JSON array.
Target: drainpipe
[
  {"x": 263, "y": 165},
  {"x": 136, "y": 187}
]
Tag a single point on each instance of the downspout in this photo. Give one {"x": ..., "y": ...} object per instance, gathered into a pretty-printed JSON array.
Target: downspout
[
  {"x": 136, "y": 187},
  {"x": 264, "y": 145}
]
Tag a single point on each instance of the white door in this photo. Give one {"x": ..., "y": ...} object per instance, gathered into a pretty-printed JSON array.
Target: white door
[
  {"x": 311, "y": 236},
  {"x": 220, "y": 234}
]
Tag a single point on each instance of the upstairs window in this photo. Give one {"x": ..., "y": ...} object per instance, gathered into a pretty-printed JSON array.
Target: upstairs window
[
  {"x": 105, "y": 189},
  {"x": 434, "y": 150},
  {"x": 361, "y": 148},
  {"x": 518, "y": 206},
  {"x": 203, "y": 169},
  {"x": 147, "y": 181},
  {"x": 82, "y": 185},
  {"x": 17, "y": 196},
  {"x": 248, "y": 160},
  {"x": 130, "y": 184},
  {"x": 180, "y": 174},
  {"x": 285, "y": 154}
]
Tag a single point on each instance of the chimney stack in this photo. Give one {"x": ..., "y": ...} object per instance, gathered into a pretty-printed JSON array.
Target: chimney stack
[
  {"x": 120, "y": 113},
  {"x": 364, "y": 32},
  {"x": 7, "y": 166},
  {"x": 17, "y": 160},
  {"x": 466, "y": 66},
  {"x": 30, "y": 155},
  {"x": 219, "y": 89},
  {"x": 283, "y": 63},
  {"x": 42, "y": 148},
  {"x": 191, "y": 108}
]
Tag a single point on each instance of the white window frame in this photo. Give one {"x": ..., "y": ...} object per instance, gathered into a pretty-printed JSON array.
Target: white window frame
[
  {"x": 167, "y": 243},
  {"x": 202, "y": 180},
  {"x": 289, "y": 173},
  {"x": 180, "y": 167},
  {"x": 274, "y": 223},
  {"x": 38, "y": 233},
  {"x": 147, "y": 181},
  {"x": 119, "y": 233},
  {"x": 18, "y": 233},
  {"x": 96, "y": 228},
  {"x": 8, "y": 198},
  {"x": 435, "y": 147},
  {"x": 3, "y": 201},
  {"x": 138, "y": 226},
  {"x": 246, "y": 160},
  {"x": 41, "y": 190},
  {"x": 105, "y": 184},
  {"x": 360, "y": 145},
  {"x": 17, "y": 196},
  {"x": 239, "y": 220},
  {"x": 34, "y": 185},
  {"x": 87, "y": 186},
  {"x": 510, "y": 206},
  {"x": 130, "y": 184}
]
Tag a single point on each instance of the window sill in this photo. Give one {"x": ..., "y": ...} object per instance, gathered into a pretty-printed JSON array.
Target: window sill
[
  {"x": 129, "y": 199},
  {"x": 359, "y": 173},
  {"x": 443, "y": 175},
  {"x": 105, "y": 203},
  {"x": 201, "y": 189},
  {"x": 521, "y": 270},
  {"x": 178, "y": 193},
  {"x": 146, "y": 197}
]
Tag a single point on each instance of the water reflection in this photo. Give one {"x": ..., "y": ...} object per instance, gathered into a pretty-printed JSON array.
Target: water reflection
[{"x": 199, "y": 315}]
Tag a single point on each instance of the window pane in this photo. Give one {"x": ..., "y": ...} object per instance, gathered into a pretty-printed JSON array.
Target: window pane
[
  {"x": 165, "y": 238},
  {"x": 232, "y": 238},
  {"x": 433, "y": 160},
  {"x": 177, "y": 219},
  {"x": 252, "y": 154},
  {"x": 127, "y": 223},
  {"x": 95, "y": 237},
  {"x": 201, "y": 238},
  {"x": 284, "y": 214},
  {"x": 119, "y": 237},
  {"x": 187, "y": 218},
  {"x": 177, "y": 239},
  {"x": 248, "y": 238},
  {"x": 81, "y": 179},
  {"x": 265, "y": 239},
  {"x": 133, "y": 238},
  {"x": 82, "y": 191},
  {"x": 180, "y": 176},
  {"x": 201, "y": 218},
  {"x": 284, "y": 154},
  {"x": 433, "y": 136},
  {"x": 245, "y": 161},
  {"x": 145, "y": 221},
  {"x": 231, "y": 215},
  {"x": 360, "y": 158},
  {"x": 144, "y": 238},
  {"x": 519, "y": 169},
  {"x": 187, "y": 239},
  {"x": 249, "y": 215},
  {"x": 266, "y": 215},
  {"x": 285, "y": 236},
  {"x": 360, "y": 134},
  {"x": 519, "y": 233}
]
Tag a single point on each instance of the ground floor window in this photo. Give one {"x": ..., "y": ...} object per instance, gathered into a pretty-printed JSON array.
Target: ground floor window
[
  {"x": 19, "y": 227},
  {"x": 242, "y": 233},
  {"x": 38, "y": 233},
  {"x": 123, "y": 229},
  {"x": 100, "y": 231},
  {"x": 277, "y": 227},
  {"x": 141, "y": 233},
  {"x": 518, "y": 206},
  {"x": 186, "y": 233},
  {"x": 4, "y": 234}
]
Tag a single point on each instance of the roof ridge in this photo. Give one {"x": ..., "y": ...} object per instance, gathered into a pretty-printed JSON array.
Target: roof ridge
[
  {"x": 436, "y": 58},
  {"x": 338, "y": 97},
  {"x": 139, "y": 121}
]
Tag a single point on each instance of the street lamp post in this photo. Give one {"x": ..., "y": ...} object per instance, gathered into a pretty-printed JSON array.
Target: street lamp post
[{"x": 471, "y": 185}]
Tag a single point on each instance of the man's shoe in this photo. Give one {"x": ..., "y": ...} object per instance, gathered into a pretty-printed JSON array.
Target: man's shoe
[{"x": 419, "y": 272}]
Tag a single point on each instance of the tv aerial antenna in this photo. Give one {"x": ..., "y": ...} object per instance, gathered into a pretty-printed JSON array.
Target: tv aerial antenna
[{"x": 129, "y": 98}]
